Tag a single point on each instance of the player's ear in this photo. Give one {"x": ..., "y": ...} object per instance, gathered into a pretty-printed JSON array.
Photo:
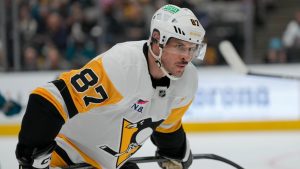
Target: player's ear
[
  {"x": 155, "y": 40},
  {"x": 155, "y": 36}
]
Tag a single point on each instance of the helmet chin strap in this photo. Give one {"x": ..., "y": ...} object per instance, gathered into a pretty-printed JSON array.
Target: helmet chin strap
[{"x": 159, "y": 63}]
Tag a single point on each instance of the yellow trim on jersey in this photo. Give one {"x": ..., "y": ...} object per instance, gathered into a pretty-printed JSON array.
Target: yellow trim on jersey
[
  {"x": 47, "y": 95},
  {"x": 56, "y": 160},
  {"x": 174, "y": 119},
  {"x": 88, "y": 159},
  {"x": 174, "y": 127},
  {"x": 97, "y": 68}
]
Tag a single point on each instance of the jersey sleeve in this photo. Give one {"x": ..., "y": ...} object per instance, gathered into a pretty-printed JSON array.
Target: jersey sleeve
[
  {"x": 171, "y": 144},
  {"x": 170, "y": 137},
  {"x": 173, "y": 122},
  {"x": 79, "y": 91}
]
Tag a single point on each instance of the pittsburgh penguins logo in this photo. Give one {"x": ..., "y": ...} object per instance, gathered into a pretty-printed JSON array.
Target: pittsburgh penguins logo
[{"x": 133, "y": 136}]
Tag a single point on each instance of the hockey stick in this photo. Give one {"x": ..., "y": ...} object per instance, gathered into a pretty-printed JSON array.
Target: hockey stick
[
  {"x": 161, "y": 159},
  {"x": 236, "y": 63}
]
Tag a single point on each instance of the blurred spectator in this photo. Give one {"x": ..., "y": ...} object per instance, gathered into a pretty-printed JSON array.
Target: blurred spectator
[
  {"x": 81, "y": 41},
  {"x": 114, "y": 28},
  {"x": 291, "y": 38},
  {"x": 134, "y": 22},
  {"x": 27, "y": 25},
  {"x": 53, "y": 60},
  {"x": 276, "y": 52},
  {"x": 57, "y": 31},
  {"x": 30, "y": 59},
  {"x": 79, "y": 53}
]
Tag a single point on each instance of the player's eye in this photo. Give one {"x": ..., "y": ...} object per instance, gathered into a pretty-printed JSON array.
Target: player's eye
[{"x": 180, "y": 47}]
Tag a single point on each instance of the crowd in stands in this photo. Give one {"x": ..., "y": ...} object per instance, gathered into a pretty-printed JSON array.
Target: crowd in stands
[
  {"x": 287, "y": 48},
  {"x": 57, "y": 34},
  {"x": 64, "y": 34}
]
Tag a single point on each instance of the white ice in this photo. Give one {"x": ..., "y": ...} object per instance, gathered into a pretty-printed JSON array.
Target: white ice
[{"x": 251, "y": 150}]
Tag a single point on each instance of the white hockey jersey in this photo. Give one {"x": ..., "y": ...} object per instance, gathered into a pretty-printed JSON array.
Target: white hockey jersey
[{"x": 110, "y": 106}]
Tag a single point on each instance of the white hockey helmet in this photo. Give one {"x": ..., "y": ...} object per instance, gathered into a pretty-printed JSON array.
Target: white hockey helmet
[{"x": 181, "y": 23}]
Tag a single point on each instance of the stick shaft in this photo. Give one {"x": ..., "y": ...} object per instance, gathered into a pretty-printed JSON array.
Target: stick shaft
[
  {"x": 237, "y": 64},
  {"x": 150, "y": 159},
  {"x": 273, "y": 75}
]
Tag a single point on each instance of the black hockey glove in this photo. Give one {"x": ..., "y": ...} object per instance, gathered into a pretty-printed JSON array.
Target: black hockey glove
[
  {"x": 34, "y": 158},
  {"x": 129, "y": 165},
  {"x": 176, "y": 163}
]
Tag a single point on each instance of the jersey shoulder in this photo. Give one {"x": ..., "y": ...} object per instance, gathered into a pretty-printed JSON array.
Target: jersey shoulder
[{"x": 125, "y": 64}]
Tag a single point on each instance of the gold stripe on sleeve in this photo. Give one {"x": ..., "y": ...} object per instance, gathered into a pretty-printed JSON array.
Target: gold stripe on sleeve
[
  {"x": 174, "y": 119},
  {"x": 47, "y": 95}
]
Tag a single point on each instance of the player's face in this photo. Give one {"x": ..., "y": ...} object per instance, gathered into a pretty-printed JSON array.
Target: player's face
[{"x": 176, "y": 55}]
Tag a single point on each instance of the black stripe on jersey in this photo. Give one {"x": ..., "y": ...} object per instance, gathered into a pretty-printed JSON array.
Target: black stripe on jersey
[
  {"x": 41, "y": 122},
  {"x": 61, "y": 152},
  {"x": 63, "y": 89}
]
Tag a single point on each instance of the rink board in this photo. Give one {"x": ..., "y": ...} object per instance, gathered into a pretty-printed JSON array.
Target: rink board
[{"x": 12, "y": 130}]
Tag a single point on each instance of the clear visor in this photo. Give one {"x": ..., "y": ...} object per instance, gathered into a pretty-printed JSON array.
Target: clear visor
[{"x": 194, "y": 51}]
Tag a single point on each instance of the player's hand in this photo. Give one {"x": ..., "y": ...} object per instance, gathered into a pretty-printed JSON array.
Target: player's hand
[
  {"x": 172, "y": 163},
  {"x": 33, "y": 158}
]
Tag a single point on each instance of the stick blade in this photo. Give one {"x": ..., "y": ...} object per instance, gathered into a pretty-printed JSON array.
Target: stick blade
[{"x": 232, "y": 57}]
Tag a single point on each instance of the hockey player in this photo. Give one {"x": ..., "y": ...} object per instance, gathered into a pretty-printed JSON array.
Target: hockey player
[{"x": 102, "y": 113}]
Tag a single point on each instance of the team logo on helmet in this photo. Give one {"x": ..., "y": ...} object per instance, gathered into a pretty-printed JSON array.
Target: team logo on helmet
[{"x": 171, "y": 8}]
